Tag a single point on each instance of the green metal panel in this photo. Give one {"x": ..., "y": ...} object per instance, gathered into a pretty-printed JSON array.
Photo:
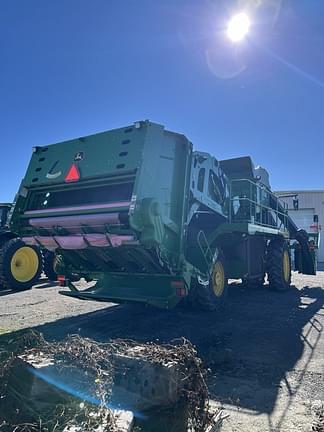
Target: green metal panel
[
  {"x": 238, "y": 168},
  {"x": 160, "y": 188},
  {"x": 157, "y": 290},
  {"x": 96, "y": 156}
]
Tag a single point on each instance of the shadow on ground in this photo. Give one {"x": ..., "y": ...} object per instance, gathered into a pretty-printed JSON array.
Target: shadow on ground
[
  {"x": 43, "y": 284},
  {"x": 249, "y": 347}
]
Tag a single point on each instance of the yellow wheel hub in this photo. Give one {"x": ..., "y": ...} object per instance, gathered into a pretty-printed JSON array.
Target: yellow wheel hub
[
  {"x": 218, "y": 279},
  {"x": 24, "y": 264},
  {"x": 286, "y": 266}
]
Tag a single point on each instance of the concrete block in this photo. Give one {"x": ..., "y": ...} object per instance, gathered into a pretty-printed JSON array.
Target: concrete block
[{"x": 141, "y": 384}]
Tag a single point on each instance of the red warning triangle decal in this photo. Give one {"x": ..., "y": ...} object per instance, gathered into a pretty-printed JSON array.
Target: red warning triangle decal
[{"x": 73, "y": 174}]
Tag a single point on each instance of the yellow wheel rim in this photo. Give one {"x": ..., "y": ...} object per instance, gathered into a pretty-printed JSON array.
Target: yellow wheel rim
[
  {"x": 218, "y": 279},
  {"x": 24, "y": 264},
  {"x": 286, "y": 266}
]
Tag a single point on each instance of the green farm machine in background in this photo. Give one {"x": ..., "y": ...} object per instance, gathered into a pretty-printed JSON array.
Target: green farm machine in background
[
  {"x": 150, "y": 220},
  {"x": 314, "y": 238},
  {"x": 20, "y": 264}
]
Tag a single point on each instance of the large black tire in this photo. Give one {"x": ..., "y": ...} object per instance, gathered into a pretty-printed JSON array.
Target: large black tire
[
  {"x": 278, "y": 265},
  {"x": 211, "y": 296},
  {"x": 20, "y": 265},
  {"x": 49, "y": 265}
]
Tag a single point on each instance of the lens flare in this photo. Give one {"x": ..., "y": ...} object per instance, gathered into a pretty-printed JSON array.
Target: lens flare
[
  {"x": 238, "y": 27},
  {"x": 82, "y": 394}
]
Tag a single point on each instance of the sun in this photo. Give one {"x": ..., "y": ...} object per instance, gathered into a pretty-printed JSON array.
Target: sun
[{"x": 238, "y": 27}]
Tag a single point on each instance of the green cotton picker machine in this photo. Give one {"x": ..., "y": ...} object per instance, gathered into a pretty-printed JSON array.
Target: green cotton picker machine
[{"x": 148, "y": 219}]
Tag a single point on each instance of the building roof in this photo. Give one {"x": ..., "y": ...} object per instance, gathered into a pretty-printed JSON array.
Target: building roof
[{"x": 297, "y": 191}]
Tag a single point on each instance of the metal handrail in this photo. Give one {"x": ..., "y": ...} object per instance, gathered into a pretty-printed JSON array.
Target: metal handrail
[{"x": 280, "y": 219}]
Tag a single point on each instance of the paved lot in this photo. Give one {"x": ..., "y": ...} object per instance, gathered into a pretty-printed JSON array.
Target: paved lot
[{"x": 265, "y": 352}]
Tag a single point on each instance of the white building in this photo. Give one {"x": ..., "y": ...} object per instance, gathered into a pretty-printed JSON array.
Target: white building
[{"x": 310, "y": 203}]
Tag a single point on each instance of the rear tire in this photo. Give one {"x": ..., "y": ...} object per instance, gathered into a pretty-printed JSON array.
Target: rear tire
[
  {"x": 20, "y": 265},
  {"x": 211, "y": 296},
  {"x": 278, "y": 265},
  {"x": 49, "y": 265}
]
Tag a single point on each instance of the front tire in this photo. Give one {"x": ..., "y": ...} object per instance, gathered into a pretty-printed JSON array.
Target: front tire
[
  {"x": 278, "y": 265},
  {"x": 211, "y": 296},
  {"x": 20, "y": 265}
]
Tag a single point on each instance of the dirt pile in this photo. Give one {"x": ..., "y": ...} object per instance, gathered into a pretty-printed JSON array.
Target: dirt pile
[
  {"x": 78, "y": 393},
  {"x": 318, "y": 413}
]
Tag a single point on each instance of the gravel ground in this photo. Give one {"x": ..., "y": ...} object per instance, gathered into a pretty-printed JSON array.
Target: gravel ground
[{"x": 265, "y": 352}]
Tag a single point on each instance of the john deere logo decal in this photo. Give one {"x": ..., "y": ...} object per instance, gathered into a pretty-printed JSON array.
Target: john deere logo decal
[
  {"x": 51, "y": 174},
  {"x": 79, "y": 156}
]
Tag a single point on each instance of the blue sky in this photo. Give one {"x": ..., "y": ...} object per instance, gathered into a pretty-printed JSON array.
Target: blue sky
[{"x": 72, "y": 68}]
